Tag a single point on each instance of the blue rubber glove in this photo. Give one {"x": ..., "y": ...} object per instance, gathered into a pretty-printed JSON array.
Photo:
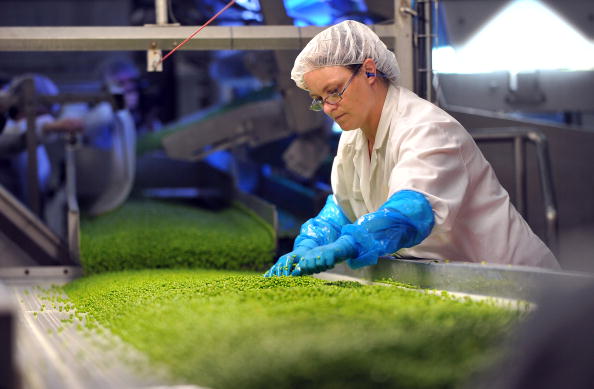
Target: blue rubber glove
[
  {"x": 405, "y": 220},
  {"x": 324, "y": 228},
  {"x": 287, "y": 263},
  {"x": 318, "y": 231},
  {"x": 325, "y": 257}
]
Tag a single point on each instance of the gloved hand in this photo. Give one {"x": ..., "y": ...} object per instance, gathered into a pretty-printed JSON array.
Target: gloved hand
[
  {"x": 317, "y": 231},
  {"x": 325, "y": 257},
  {"x": 285, "y": 264}
]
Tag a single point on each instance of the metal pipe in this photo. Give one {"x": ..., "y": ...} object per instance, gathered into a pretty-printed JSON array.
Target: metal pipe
[
  {"x": 73, "y": 218},
  {"x": 116, "y": 100},
  {"x": 423, "y": 46},
  {"x": 546, "y": 181},
  {"x": 404, "y": 41},
  {"x": 161, "y": 12},
  {"x": 428, "y": 51},
  {"x": 130, "y": 38},
  {"x": 29, "y": 103},
  {"x": 520, "y": 174}
]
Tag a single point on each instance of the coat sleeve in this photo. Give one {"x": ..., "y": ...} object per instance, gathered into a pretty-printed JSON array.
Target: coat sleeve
[
  {"x": 405, "y": 220},
  {"x": 430, "y": 159}
]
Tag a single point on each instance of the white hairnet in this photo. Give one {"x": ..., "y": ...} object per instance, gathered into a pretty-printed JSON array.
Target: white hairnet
[{"x": 345, "y": 43}]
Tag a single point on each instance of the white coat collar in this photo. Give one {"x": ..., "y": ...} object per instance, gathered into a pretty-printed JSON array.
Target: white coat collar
[
  {"x": 383, "y": 128},
  {"x": 365, "y": 167},
  {"x": 388, "y": 111}
]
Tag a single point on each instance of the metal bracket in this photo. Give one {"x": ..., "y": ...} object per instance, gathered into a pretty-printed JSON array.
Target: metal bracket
[
  {"x": 153, "y": 59},
  {"x": 408, "y": 10}
]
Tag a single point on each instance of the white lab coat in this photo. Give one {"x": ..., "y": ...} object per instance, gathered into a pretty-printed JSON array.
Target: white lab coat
[{"x": 420, "y": 147}]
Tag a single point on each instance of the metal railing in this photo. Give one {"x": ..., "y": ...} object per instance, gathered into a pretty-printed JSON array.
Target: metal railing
[
  {"x": 27, "y": 102},
  {"x": 519, "y": 136},
  {"x": 72, "y": 213}
]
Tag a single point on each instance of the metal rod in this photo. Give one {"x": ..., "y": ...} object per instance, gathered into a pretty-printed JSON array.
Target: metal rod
[
  {"x": 128, "y": 38},
  {"x": 546, "y": 180},
  {"x": 403, "y": 36},
  {"x": 423, "y": 45},
  {"x": 73, "y": 218},
  {"x": 30, "y": 108},
  {"x": 520, "y": 174},
  {"x": 428, "y": 51},
  {"x": 91, "y": 98},
  {"x": 161, "y": 12}
]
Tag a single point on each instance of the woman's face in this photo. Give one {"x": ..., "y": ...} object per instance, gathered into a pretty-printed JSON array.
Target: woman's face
[{"x": 353, "y": 110}]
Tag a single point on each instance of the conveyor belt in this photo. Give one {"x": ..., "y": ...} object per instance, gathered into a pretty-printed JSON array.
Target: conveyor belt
[{"x": 52, "y": 353}]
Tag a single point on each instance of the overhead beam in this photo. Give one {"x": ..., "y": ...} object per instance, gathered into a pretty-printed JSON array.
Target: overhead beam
[{"x": 165, "y": 38}]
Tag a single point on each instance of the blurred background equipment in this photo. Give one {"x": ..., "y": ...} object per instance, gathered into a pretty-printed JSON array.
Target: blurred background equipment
[{"x": 474, "y": 58}]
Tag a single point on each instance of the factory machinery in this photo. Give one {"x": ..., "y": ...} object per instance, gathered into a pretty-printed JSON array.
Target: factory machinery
[{"x": 34, "y": 256}]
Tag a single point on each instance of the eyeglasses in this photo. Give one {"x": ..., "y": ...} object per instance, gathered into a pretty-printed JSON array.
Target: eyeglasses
[{"x": 333, "y": 98}]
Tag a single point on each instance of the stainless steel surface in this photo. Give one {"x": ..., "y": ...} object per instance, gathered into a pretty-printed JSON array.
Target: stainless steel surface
[
  {"x": 515, "y": 282},
  {"x": 55, "y": 348},
  {"x": 462, "y": 296},
  {"x": 262, "y": 208},
  {"x": 26, "y": 230},
  {"x": 542, "y": 91},
  {"x": 518, "y": 135},
  {"x": 33, "y": 274},
  {"x": 253, "y": 124},
  {"x": 12, "y": 253},
  {"x": 306, "y": 154},
  {"x": 8, "y": 309},
  {"x": 110, "y": 38}
]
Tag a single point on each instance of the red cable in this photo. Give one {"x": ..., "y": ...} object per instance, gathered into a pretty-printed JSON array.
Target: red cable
[{"x": 196, "y": 32}]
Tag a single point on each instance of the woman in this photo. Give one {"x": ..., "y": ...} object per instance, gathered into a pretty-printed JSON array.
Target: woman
[{"x": 407, "y": 177}]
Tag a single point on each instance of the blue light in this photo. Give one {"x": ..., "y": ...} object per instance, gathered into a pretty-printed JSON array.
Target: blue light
[
  {"x": 336, "y": 128},
  {"x": 324, "y": 13},
  {"x": 251, "y": 5}
]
